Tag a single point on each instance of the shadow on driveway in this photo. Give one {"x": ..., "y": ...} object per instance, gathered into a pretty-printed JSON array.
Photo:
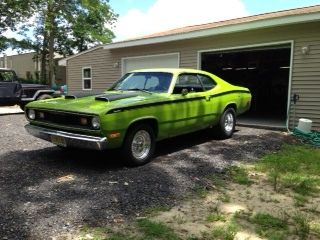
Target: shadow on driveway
[{"x": 47, "y": 192}]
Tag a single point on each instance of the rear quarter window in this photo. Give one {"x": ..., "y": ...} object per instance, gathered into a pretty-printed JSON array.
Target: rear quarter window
[{"x": 207, "y": 82}]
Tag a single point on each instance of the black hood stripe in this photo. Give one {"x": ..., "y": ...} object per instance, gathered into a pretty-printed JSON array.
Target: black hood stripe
[
  {"x": 82, "y": 94},
  {"x": 116, "y": 96},
  {"x": 121, "y": 109},
  {"x": 108, "y": 97}
]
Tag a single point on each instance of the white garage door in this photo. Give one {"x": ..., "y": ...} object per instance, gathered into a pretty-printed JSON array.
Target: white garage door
[{"x": 154, "y": 61}]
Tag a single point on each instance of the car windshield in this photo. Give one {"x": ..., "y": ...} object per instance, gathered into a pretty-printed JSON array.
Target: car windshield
[{"x": 144, "y": 81}]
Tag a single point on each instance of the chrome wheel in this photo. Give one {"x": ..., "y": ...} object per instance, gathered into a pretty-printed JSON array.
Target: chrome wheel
[
  {"x": 229, "y": 122},
  {"x": 141, "y": 144},
  {"x": 226, "y": 125}
]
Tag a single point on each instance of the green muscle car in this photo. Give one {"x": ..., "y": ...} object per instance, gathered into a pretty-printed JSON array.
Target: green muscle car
[{"x": 143, "y": 107}]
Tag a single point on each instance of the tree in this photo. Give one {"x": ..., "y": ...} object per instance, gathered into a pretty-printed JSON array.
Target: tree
[
  {"x": 69, "y": 26},
  {"x": 59, "y": 26},
  {"x": 88, "y": 27},
  {"x": 11, "y": 14}
]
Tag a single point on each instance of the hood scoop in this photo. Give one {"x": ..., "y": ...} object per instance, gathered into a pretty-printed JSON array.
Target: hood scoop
[
  {"x": 114, "y": 97},
  {"x": 82, "y": 94}
]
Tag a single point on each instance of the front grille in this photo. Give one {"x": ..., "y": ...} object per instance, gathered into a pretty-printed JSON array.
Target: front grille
[{"x": 65, "y": 119}]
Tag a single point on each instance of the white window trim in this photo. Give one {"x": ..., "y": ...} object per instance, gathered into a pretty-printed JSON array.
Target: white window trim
[
  {"x": 149, "y": 56},
  {"x": 86, "y": 78}
]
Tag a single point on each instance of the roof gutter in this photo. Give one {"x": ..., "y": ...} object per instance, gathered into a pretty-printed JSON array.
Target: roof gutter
[{"x": 238, "y": 27}]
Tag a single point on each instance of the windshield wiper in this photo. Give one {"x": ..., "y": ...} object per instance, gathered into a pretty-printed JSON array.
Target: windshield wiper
[{"x": 139, "y": 89}]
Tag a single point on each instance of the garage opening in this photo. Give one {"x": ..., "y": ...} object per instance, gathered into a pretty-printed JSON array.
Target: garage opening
[{"x": 265, "y": 71}]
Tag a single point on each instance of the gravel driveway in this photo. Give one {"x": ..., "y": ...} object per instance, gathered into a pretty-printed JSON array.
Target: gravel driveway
[{"x": 46, "y": 191}]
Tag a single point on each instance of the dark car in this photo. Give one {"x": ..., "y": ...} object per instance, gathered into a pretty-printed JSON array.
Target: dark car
[{"x": 13, "y": 92}]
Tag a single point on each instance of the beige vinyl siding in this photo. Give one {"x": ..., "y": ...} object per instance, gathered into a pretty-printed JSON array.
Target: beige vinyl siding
[
  {"x": 306, "y": 78},
  {"x": 305, "y": 72},
  {"x": 22, "y": 64},
  {"x": 99, "y": 62}
]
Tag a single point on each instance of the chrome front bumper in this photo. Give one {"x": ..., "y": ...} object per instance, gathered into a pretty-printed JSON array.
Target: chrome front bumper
[{"x": 67, "y": 139}]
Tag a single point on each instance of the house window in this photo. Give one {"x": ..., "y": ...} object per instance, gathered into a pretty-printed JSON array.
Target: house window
[{"x": 86, "y": 78}]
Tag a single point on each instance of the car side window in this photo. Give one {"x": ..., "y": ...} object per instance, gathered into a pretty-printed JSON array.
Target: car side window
[
  {"x": 207, "y": 82},
  {"x": 6, "y": 76},
  {"x": 187, "y": 81}
]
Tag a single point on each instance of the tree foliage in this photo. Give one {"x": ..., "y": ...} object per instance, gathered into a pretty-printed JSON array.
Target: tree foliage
[
  {"x": 11, "y": 14},
  {"x": 76, "y": 24},
  {"x": 86, "y": 25},
  {"x": 70, "y": 26},
  {"x": 59, "y": 26}
]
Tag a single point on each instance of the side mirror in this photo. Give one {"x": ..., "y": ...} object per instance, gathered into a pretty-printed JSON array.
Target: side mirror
[{"x": 184, "y": 92}]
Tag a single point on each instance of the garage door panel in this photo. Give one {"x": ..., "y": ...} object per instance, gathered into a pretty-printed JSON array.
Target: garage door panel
[{"x": 158, "y": 61}]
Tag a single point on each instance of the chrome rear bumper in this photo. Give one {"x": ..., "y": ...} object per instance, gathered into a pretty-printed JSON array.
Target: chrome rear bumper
[{"x": 67, "y": 139}]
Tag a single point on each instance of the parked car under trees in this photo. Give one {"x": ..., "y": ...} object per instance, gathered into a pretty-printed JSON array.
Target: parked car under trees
[{"x": 143, "y": 107}]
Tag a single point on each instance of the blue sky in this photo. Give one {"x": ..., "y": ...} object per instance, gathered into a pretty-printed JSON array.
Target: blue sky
[
  {"x": 122, "y": 6},
  {"x": 142, "y": 17},
  {"x": 253, "y": 6},
  {"x": 257, "y": 7}
]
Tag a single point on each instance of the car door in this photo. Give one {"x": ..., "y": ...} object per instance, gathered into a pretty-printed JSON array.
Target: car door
[
  {"x": 10, "y": 88},
  {"x": 191, "y": 107}
]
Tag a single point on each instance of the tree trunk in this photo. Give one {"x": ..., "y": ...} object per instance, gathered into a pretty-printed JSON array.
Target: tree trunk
[
  {"x": 43, "y": 71},
  {"x": 51, "y": 57},
  {"x": 51, "y": 37}
]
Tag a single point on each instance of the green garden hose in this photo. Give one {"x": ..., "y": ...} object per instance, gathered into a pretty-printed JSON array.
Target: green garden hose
[{"x": 311, "y": 138}]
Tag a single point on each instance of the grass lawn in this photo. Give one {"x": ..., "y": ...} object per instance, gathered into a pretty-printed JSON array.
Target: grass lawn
[{"x": 275, "y": 198}]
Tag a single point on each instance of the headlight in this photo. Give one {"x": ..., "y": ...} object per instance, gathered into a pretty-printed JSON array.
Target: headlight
[
  {"x": 31, "y": 114},
  {"x": 95, "y": 123}
]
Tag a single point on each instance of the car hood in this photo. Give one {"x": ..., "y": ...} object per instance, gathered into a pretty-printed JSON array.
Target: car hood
[{"x": 98, "y": 103}]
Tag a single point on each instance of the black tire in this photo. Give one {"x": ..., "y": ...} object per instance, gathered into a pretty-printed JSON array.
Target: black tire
[
  {"x": 44, "y": 96},
  {"x": 145, "y": 134},
  {"x": 227, "y": 124}
]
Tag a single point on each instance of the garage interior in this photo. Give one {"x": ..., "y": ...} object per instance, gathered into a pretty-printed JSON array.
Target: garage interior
[{"x": 265, "y": 71}]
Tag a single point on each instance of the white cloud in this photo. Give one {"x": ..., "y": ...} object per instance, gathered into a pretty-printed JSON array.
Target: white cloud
[{"x": 169, "y": 14}]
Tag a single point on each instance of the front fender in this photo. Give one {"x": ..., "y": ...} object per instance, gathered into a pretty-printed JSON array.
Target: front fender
[{"x": 116, "y": 123}]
